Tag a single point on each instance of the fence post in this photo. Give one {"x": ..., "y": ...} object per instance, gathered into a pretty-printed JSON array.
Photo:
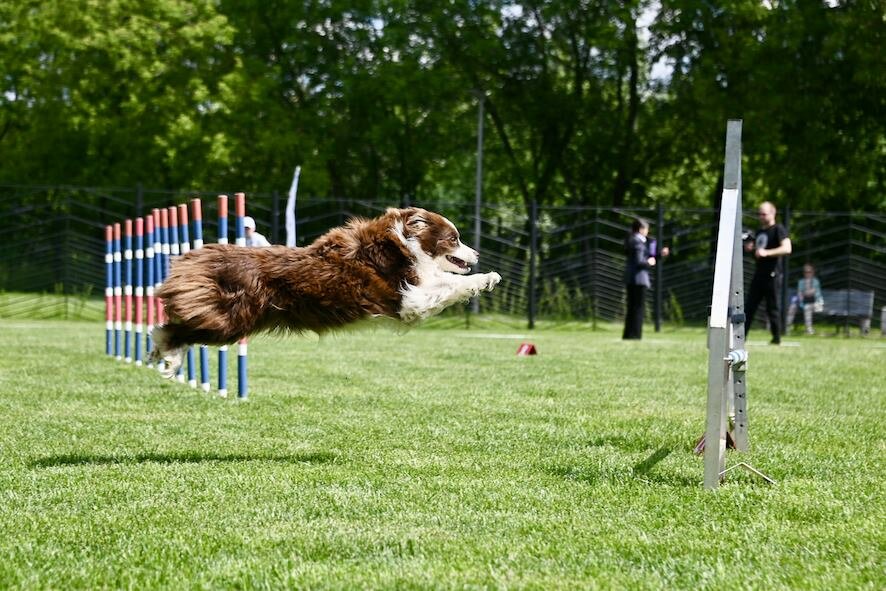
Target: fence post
[
  {"x": 848, "y": 270},
  {"x": 659, "y": 232},
  {"x": 594, "y": 268},
  {"x": 533, "y": 252},
  {"x": 785, "y": 292},
  {"x": 478, "y": 189},
  {"x": 66, "y": 259}
]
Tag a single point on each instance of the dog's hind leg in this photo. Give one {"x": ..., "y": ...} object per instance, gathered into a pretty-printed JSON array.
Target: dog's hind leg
[
  {"x": 171, "y": 340},
  {"x": 167, "y": 354}
]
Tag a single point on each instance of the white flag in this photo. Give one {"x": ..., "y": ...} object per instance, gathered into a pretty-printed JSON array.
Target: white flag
[{"x": 290, "y": 209}]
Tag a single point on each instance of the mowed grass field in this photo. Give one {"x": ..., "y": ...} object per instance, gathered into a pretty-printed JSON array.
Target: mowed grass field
[{"x": 438, "y": 459}]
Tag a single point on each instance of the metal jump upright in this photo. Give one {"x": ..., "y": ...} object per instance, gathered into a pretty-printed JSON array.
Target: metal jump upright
[{"x": 727, "y": 357}]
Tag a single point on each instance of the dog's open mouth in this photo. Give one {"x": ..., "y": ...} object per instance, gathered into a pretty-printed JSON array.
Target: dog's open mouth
[{"x": 458, "y": 262}]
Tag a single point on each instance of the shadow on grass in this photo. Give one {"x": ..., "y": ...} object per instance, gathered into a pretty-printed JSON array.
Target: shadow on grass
[
  {"x": 643, "y": 468},
  {"x": 633, "y": 443},
  {"x": 192, "y": 457},
  {"x": 644, "y": 471}
]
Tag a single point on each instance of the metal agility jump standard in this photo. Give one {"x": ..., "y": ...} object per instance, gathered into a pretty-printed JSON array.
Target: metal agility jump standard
[
  {"x": 727, "y": 357},
  {"x": 160, "y": 236}
]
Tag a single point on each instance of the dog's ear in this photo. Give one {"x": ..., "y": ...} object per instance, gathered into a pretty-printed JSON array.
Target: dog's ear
[
  {"x": 417, "y": 223},
  {"x": 416, "y": 219}
]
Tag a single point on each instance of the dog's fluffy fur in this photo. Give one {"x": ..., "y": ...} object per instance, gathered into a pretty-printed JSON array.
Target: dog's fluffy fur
[{"x": 407, "y": 265}]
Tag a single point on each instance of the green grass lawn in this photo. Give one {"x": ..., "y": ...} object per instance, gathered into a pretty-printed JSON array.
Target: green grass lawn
[{"x": 438, "y": 459}]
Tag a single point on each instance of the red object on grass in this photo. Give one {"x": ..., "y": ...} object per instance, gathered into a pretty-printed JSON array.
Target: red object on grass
[{"x": 527, "y": 349}]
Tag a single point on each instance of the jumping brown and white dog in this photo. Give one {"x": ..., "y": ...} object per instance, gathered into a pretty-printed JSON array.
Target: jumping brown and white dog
[{"x": 406, "y": 265}]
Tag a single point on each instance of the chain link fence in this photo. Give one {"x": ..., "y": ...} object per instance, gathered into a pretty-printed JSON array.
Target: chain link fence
[{"x": 558, "y": 264}]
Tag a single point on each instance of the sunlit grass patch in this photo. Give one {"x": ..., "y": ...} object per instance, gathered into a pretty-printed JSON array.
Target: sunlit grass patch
[{"x": 436, "y": 459}]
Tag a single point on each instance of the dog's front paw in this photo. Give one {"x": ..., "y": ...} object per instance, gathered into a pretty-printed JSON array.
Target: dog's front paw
[{"x": 492, "y": 280}]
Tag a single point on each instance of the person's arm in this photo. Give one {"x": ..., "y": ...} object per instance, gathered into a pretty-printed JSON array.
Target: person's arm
[
  {"x": 641, "y": 260},
  {"x": 779, "y": 251}
]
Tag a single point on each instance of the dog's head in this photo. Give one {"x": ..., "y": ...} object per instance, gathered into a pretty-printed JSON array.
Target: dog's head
[{"x": 431, "y": 234}]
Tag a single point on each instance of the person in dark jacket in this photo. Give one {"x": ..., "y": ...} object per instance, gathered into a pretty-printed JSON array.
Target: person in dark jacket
[{"x": 640, "y": 259}]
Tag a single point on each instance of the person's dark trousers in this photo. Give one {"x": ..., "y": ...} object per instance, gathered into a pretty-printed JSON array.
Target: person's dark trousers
[
  {"x": 764, "y": 288},
  {"x": 634, "y": 316}
]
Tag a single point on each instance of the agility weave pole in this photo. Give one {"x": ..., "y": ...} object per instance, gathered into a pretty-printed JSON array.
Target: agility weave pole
[
  {"x": 197, "y": 216},
  {"x": 159, "y": 237},
  {"x": 727, "y": 357},
  {"x": 240, "y": 211},
  {"x": 223, "y": 350},
  {"x": 109, "y": 290},
  {"x": 139, "y": 287}
]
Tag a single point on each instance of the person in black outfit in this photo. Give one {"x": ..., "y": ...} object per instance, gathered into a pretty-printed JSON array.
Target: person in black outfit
[
  {"x": 640, "y": 259},
  {"x": 771, "y": 243}
]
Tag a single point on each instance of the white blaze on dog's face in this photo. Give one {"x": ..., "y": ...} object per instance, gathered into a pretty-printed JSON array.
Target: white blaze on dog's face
[{"x": 439, "y": 239}]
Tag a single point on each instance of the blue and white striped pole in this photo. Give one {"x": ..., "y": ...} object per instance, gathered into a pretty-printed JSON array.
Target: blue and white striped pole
[
  {"x": 118, "y": 296},
  {"x": 197, "y": 216},
  {"x": 242, "y": 384},
  {"x": 223, "y": 350},
  {"x": 174, "y": 253},
  {"x": 158, "y": 263},
  {"x": 139, "y": 287},
  {"x": 184, "y": 249},
  {"x": 164, "y": 242},
  {"x": 149, "y": 282},
  {"x": 173, "y": 235},
  {"x": 109, "y": 290},
  {"x": 127, "y": 288}
]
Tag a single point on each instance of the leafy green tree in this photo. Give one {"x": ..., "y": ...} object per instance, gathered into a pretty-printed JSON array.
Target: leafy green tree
[
  {"x": 800, "y": 74},
  {"x": 346, "y": 92},
  {"x": 108, "y": 92},
  {"x": 378, "y": 98}
]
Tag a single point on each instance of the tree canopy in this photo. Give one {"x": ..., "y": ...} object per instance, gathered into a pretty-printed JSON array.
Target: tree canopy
[{"x": 587, "y": 101}]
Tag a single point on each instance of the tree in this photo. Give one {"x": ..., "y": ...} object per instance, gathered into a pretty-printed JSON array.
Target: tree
[
  {"x": 108, "y": 92},
  {"x": 801, "y": 75},
  {"x": 376, "y": 99}
]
